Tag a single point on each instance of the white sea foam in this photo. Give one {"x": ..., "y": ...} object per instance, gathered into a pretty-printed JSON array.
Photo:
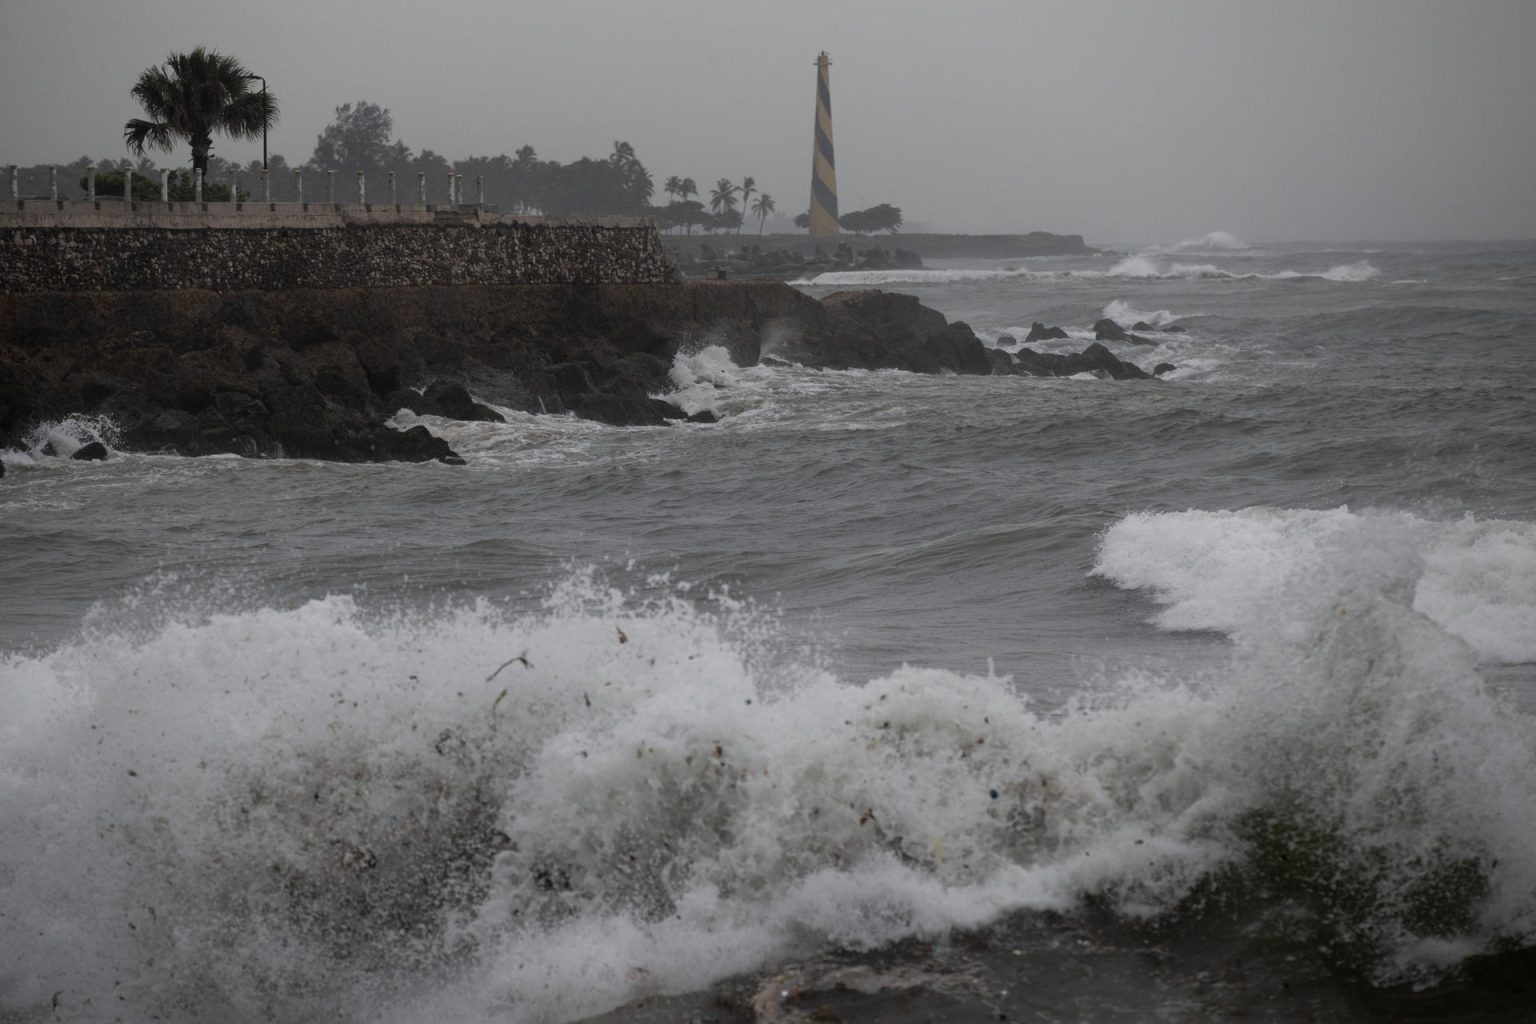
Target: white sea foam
[
  {"x": 475, "y": 815},
  {"x": 1143, "y": 266},
  {"x": 703, "y": 379},
  {"x": 1124, "y": 314},
  {"x": 1221, "y": 570},
  {"x": 1213, "y": 240},
  {"x": 1151, "y": 268},
  {"x": 1361, "y": 270},
  {"x": 878, "y": 278},
  {"x": 59, "y": 439}
]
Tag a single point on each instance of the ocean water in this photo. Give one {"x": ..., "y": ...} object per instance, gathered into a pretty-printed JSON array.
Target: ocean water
[{"x": 1185, "y": 699}]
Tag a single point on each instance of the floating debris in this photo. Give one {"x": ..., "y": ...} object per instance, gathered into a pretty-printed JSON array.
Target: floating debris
[{"x": 521, "y": 657}]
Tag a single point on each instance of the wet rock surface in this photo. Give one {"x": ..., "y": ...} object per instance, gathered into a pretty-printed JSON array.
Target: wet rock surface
[
  {"x": 320, "y": 373},
  {"x": 1095, "y": 359},
  {"x": 1039, "y": 332}
]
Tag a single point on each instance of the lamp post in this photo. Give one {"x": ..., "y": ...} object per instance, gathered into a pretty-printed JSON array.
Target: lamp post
[{"x": 263, "y": 82}]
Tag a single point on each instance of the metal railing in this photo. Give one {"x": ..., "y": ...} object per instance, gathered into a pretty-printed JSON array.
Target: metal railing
[{"x": 455, "y": 187}]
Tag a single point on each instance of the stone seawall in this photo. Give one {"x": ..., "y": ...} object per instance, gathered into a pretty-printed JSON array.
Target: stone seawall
[{"x": 275, "y": 251}]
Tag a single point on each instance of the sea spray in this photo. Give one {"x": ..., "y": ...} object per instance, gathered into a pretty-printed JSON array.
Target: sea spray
[
  {"x": 60, "y": 439},
  {"x": 1211, "y": 240},
  {"x": 280, "y": 813},
  {"x": 1219, "y": 569},
  {"x": 1140, "y": 267}
]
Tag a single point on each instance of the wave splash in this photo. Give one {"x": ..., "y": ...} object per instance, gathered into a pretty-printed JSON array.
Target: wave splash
[
  {"x": 1151, "y": 268},
  {"x": 1138, "y": 267},
  {"x": 62, "y": 438},
  {"x": 1221, "y": 570},
  {"x": 476, "y": 815},
  {"x": 1212, "y": 240}
]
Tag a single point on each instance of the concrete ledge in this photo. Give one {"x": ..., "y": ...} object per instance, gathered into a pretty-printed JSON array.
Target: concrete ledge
[{"x": 114, "y": 213}]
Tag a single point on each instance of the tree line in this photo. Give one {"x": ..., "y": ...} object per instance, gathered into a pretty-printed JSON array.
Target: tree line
[{"x": 196, "y": 95}]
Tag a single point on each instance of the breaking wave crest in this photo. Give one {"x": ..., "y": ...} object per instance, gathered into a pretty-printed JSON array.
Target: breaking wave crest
[
  {"x": 1211, "y": 240},
  {"x": 1139, "y": 267},
  {"x": 476, "y": 814},
  {"x": 1151, "y": 267},
  {"x": 1125, "y": 314},
  {"x": 1222, "y": 570}
]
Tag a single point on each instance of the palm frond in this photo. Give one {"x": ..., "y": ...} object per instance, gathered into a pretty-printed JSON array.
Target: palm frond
[
  {"x": 139, "y": 134},
  {"x": 193, "y": 95},
  {"x": 244, "y": 117}
]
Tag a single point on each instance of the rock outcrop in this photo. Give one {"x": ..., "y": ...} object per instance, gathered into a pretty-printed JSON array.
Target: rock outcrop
[
  {"x": 1039, "y": 332},
  {"x": 319, "y": 373},
  {"x": 1095, "y": 359},
  {"x": 1106, "y": 329},
  {"x": 879, "y": 330},
  {"x": 442, "y": 398}
]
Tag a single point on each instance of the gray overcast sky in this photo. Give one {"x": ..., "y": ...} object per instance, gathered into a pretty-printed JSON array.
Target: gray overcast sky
[{"x": 1124, "y": 120}]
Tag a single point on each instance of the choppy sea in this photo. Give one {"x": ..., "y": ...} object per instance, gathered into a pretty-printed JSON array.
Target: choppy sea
[{"x": 1191, "y": 699}]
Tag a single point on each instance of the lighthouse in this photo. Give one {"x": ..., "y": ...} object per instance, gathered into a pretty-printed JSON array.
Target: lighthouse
[{"x": 823, "y": 167}]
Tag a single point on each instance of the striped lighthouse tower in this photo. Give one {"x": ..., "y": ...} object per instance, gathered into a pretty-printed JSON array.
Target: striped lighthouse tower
[{"x": 823, "y": 167}]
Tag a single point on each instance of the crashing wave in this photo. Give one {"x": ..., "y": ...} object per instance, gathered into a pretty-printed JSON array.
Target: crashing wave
[
  {"x": 475, "y": 813},
  {"x": 1211, "y": 241}
]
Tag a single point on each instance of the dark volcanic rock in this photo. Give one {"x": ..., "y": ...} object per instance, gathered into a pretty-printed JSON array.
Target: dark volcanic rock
[
  {"x": 703, "y": 416},
  {"x": 957, "y": 348},
  {"x": 876, "y": 330},
  {"x": 1002, "y": 362},
  {"x": 1097, "y": 358},
  {"x": 95, "y": 451},
  {"x": 1107, "y": 330},
  {"x": 441, "y": 398},
  {"x": 417, "y": 444},
  {"x": 1162, "y": 368},
  {"x": 1094, "y": 359},
  {"x": 620, "y": 411},
  {"x": 453, "y": 401},
  {"x": 316, "y": 373},
  {"x": 1039, "y": 332}
]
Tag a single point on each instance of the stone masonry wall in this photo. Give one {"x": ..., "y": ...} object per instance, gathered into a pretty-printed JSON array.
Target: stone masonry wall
[{"x": 223, "y": 259}]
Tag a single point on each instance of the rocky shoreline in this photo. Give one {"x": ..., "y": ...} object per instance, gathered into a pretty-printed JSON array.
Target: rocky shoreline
[{"x": 318, "y": 373}]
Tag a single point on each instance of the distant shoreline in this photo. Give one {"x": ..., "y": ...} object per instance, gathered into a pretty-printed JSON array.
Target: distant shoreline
[{"x": 926, "y": 244}]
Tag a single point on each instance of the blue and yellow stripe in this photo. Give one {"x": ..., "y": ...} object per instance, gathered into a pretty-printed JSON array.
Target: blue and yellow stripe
[{"x": 823, "y": 166}]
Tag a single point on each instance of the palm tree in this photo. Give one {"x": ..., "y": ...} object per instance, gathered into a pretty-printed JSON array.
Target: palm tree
[
  {"x": 523, "y": 178},
  {"x": 748, "y": 186},
  {"x": 763, "y": 207},
  {"x": 672, "y": 186},
  {"x": 194, "y": 95},
  {"x": 723, "y": 196},
  {"x": 689, "y": 188}
]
